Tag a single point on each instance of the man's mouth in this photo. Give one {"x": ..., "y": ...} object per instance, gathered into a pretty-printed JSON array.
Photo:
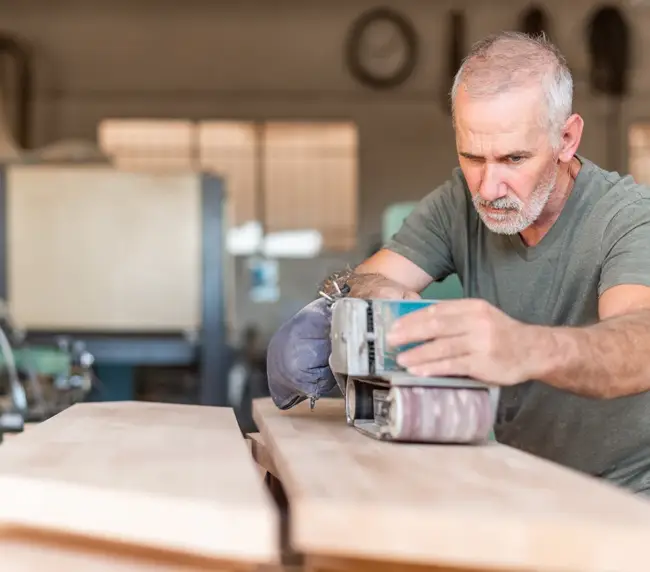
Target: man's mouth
[{"x": 499, "y": 210}]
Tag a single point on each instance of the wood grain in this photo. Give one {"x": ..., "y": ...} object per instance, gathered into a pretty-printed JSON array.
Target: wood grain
[
  {"x": 177, "y": 478},
  {"x": 27, "y": 551},
  {"x": 329, "y": 564},
  {"x": 489, "y": 507}
]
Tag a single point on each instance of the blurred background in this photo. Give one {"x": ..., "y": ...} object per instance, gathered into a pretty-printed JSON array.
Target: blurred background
[{"x": 176, "y": 178}]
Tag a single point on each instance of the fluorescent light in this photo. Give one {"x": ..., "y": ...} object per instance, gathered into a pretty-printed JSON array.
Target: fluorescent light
[
  {"x": 245, "y": 239},
  {"x": 293, "y": 244},
  {"x": 248, "y": 239}
]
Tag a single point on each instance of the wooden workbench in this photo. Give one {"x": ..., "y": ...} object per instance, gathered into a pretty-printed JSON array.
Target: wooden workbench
[
  {"x": 359, "y": 504},
  {"x": 134, "y": 486}
]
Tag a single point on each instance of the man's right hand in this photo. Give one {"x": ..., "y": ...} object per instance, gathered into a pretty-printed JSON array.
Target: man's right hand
[
  {"x": 298, "y": 353},
  {"x": 297, "y": 360},
  {"x": 376, "y": 286},
  {"x": 389, "y": 292}
]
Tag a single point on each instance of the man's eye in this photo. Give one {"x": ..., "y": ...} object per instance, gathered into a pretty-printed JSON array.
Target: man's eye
[{"x": 516, "y": 158}]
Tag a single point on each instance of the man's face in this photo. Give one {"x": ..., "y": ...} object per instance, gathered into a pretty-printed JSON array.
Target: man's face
[{"x": 506, "y": 156}]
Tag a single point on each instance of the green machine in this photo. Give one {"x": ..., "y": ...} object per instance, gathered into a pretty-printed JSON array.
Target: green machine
[
  {"x": 393, "y": 217},
  {"x": 39, "y": 380}
]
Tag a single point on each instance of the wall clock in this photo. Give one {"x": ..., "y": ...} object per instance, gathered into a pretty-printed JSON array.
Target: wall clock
[{"x": 382, "y": 48}]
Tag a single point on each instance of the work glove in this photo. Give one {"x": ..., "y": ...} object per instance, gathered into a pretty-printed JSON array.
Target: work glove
[{"x": 297, "y": 358}]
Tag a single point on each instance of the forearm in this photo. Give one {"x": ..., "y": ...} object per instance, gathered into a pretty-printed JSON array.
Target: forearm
[
  {"x": 365, "y": 283},
  {"x": 605, "y": 360},
  {"x": 385, "y": 274}
]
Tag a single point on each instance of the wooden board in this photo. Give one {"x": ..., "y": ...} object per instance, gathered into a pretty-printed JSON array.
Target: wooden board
[
  {"x": 24, "y": 551},
  {"x": 116, "y": 250},
  {"x": 178, "y": 478},
  {"x": 29, "y": 553},
  {"x": 490, "y": 507}
]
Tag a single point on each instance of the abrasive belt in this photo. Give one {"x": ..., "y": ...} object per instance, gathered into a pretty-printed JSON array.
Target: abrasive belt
[{"x": 439, "y": 414}]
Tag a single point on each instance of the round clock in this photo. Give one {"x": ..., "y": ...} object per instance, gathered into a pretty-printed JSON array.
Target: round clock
[{"x": 382, "y": 48}]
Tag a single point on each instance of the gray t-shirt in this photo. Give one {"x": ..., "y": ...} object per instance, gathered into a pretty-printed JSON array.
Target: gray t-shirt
[{"x": 601, "y": 239}]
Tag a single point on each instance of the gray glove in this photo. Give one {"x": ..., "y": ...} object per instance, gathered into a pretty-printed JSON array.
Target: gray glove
[{"x": 297, "y": 358}]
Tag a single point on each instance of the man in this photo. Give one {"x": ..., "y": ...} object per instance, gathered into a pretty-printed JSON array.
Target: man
[{"x": 554, "y": 256}]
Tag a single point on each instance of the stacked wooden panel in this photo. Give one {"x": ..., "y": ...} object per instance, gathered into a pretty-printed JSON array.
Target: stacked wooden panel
[
  {"x": 134, "y": 486},
  {"x": 357, "y": 503}
]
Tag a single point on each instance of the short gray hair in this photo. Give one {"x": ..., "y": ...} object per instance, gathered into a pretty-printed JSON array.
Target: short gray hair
[{"x": 509, "y": 60}]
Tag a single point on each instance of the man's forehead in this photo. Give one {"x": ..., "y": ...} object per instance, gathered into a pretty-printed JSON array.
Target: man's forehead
[
  {"x": 499, "y": 141},
  {"x": 498, "y": 126},
  {"x": 508, "y": 111},
  {"x": 488, "y": 117}
]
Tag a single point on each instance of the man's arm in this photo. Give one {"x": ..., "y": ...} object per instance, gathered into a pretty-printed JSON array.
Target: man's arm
[
  {"x": 605, "y": 360},
  {"x": 612, "y": 357},
  {"x": 386, "y": 274},
  {"x": 298, "y": 353},
  {"x": 608, "y": 359},
  {"x": 419, "y": 253}
]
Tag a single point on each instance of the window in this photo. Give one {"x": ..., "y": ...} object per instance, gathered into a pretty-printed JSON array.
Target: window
[
  {"x": 149, "y": 145},
  {"x": 285, "y": 175},
  {"x": 229, "y": 149}
]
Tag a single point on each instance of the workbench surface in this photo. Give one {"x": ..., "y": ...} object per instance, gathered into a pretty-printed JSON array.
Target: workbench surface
[
  {"x": 177, "y": 478},
  {"x": 490, "y": 507}
]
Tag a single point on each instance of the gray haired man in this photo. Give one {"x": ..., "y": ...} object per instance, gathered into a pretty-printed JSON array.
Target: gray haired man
[{"x": 554, "y": 256}]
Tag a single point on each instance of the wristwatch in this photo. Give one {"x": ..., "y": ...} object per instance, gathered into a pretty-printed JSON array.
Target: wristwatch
[{"x": 336, "y": 286}]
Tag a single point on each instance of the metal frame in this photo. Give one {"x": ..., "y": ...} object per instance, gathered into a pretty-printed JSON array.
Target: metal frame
[
  {"x": 213, "y": 343},
  {"x": 208, "y": 349}
]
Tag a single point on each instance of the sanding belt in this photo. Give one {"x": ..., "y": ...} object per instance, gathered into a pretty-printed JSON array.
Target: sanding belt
[{"x": 424, "y": 414}]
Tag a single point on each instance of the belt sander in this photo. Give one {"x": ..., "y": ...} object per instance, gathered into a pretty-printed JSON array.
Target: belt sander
[{"x": 382, "y": 400}]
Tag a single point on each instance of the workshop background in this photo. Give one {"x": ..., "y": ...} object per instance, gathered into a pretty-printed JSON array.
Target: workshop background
[{"x": 178, "y": 177}]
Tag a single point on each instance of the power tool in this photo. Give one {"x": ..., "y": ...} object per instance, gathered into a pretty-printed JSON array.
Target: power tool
[{"x": 385, "y": 402}]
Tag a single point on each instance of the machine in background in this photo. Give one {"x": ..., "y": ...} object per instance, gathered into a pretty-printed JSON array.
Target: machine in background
[
  {"x": 39, "y": 381},
  {"x": 135, "y": 263}
]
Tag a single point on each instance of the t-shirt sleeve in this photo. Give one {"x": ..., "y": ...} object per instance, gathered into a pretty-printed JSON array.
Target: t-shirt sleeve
[
  {"x": 425, "y": 237},
  {"x": 626, "y": 247}
]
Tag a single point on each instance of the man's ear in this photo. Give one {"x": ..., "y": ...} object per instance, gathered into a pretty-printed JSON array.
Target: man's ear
[{"x": 571, "y": 136}]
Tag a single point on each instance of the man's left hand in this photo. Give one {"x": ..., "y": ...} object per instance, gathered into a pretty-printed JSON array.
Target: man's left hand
[{"x": 467, "y": 337}]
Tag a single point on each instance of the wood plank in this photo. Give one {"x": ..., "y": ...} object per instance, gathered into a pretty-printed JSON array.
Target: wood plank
[
  {"x": 172, "y": 477},
  {"x": 489, "y": 507},
  {"x": 26, "y": 551},
  {"x": 332, "y": 564}
]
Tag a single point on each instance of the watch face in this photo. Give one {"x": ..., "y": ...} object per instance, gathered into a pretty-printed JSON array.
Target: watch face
[{"x": 382, "y": 48}]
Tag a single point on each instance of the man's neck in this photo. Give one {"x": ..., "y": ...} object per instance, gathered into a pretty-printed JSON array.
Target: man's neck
[{"x": 534, "y": 234}]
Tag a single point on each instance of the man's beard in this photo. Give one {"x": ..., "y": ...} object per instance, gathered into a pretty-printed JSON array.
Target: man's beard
[{"x": 515, "y": 216}]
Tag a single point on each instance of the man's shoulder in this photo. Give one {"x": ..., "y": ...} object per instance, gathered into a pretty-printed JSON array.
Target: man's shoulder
[
  {"x": 617, "y": 208},
  {"x": 612, "y": 193}
]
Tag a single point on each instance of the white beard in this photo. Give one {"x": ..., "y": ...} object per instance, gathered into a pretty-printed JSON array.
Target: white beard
[{"x": 515, "y": 216}]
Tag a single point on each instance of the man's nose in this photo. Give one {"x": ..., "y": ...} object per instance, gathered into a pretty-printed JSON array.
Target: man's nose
[{"x": 492, "y": 187}]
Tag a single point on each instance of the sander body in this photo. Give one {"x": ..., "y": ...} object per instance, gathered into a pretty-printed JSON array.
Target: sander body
[{"x": 384, "y": 401}]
